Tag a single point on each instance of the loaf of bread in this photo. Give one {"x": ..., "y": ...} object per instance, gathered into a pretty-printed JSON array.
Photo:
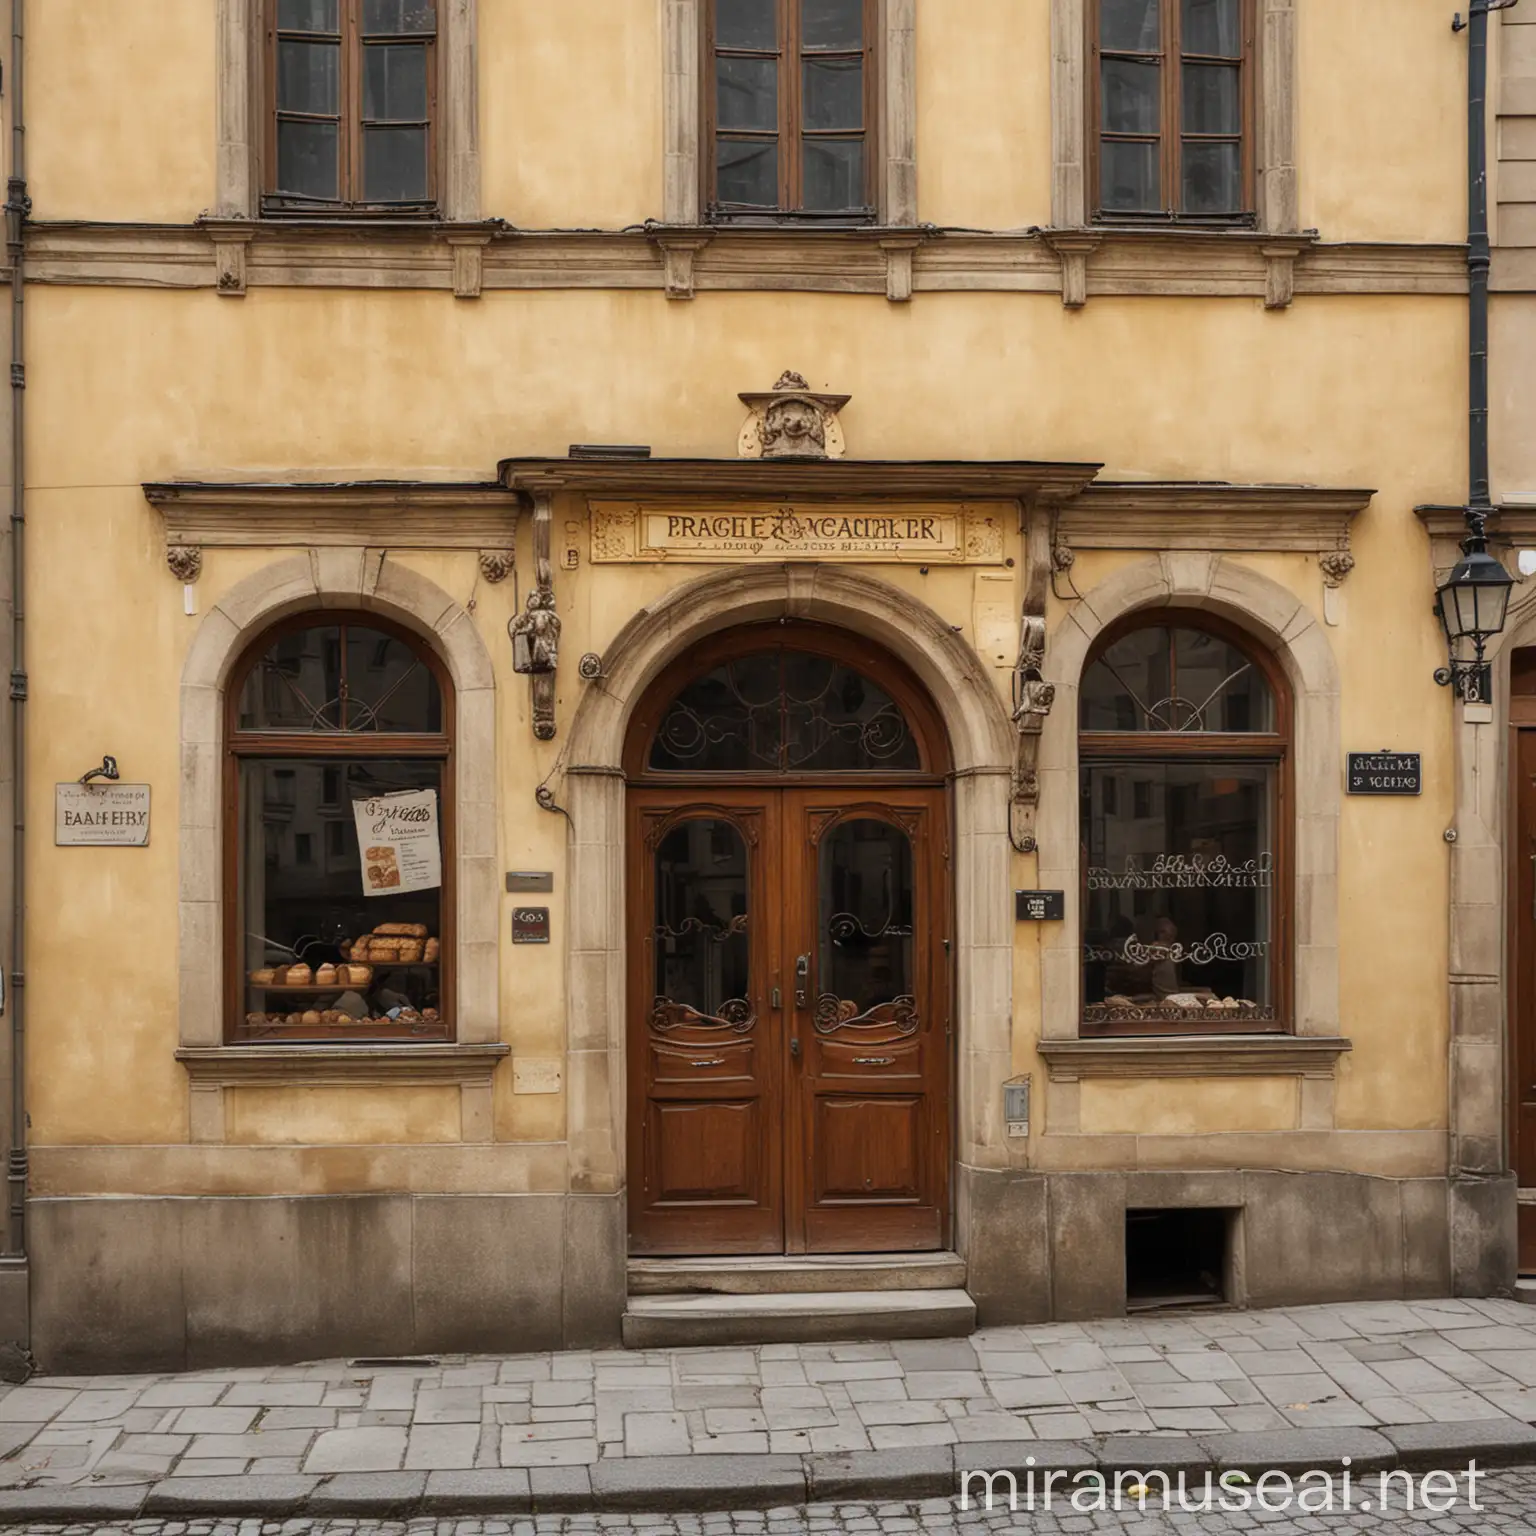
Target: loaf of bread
[
  {"x": 255, "y": 1020},
  {"x": 401, "y": 930},
  {"x": 326, "y": 976},
  {"x": 264, "y": 977},
  {"x": 359, "y": 950},
  {"x": 311, "y": 1016},
  {"x": 432, "y": 950},
  {"x": 411, "y": 951},
  {"x": 299, "y": 976},
  {"x": 294, "y": 1018}
]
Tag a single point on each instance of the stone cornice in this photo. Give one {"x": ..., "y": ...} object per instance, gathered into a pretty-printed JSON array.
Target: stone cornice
[
  {"x": 1153, "y": 1056},
  {"x": 1514, "y": 522},
  {"x": 349, "y": 1063},
  {"x": 812, "y": 479},
  {"x": 1209, "y": 515},
  {"x": 381, "y": 514},
  {"x": 232, "y": 256}
]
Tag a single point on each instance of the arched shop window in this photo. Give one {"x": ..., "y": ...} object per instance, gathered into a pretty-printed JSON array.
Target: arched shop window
[
  {"x": 1184, "y": 754},
  {"x": 338, "y": 836}
]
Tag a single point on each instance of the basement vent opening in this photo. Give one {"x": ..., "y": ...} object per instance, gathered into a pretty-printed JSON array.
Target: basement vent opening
[
  {"x": 1176, "y": 1258},
  {"x": 394, "y": 1363}
]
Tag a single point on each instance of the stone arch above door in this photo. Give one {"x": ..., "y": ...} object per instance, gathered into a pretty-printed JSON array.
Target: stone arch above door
[{"x": 981, "y": 742}]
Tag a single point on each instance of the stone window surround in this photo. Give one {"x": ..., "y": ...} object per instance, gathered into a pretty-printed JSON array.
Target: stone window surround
[
  {"x": 682, "y": 112},
  {"x": 366, "y": 580},
  {"x": 1282, "y": 622},
  {"x": 1276, "y": 127},
  {"x": 240, "y": 94}
]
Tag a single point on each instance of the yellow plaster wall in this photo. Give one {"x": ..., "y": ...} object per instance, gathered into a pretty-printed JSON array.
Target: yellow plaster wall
[
  {"x": 1188, "y": 1106},
  {"x": 320, "y": 1116},
  {"x": 120, "y": 109},
  {"x": 135, "y": 385}
]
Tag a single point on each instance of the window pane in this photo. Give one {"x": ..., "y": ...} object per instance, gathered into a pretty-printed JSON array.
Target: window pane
[
  {"x": 747, "y": 173},
  {"x": 1213, "y": 98},
  {"x": 747, "y": 93},
  {"x": 746, "y": 24},
  {"x": 1213, "y": 26},
  {"x": 727, "y": 719},
  {"x": 865, "y": 922},
  {"x": 702, "y": 935},
  {"x": 306, "y": 160},
  {"x": 1130, "y": 96},
  {"x": 397, "y": 16},
  {"x": 1157, "y": 679},
  {"x": 308, "y": 15},
  {"x": 395, "y": 82},
  {"x": 1213, "y": 178},
  {"x": 834, "y": 93},
  {"x": 394, "y": 165},
  {"x": 1131, "y": 26},
  {"x": 303, "y": 902},
  {"x": 1178, "y": 918},
  {"x": 1130, "y": 180},
  {"x": 834, "y": 175},
  {"x": 833, "y": 24},
  {"x": 389, "y": 687},
  {"x": 836, "y": 718},
  {"x": 308, "y": 77}
]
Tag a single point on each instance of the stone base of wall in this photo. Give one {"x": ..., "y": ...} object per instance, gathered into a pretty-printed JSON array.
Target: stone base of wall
[
  {"x": 158, "y": 1284},
  {"x": 1052, "y": 1246},
  {"x": 153, "y": 1284}
]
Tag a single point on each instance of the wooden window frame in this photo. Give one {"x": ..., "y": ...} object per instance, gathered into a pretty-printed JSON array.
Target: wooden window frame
[
  {"x": 1170, "y": 59},
  {"x": 241, "y": 745},
  {"x": 790, "y": 130},
  {"x": 350, "y": 121},
  {"x": 1272, "y": 748}
]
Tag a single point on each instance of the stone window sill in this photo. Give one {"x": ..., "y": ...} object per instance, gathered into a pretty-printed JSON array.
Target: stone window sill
[
  {"x": 232, "y": 1066},
  {"x": 1068, "y": 1061}
]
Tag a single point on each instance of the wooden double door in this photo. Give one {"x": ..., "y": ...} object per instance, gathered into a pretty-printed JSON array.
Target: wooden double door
[
  {"x": 1522, "y": 945},
  {"x": 789, "y": 1019}
]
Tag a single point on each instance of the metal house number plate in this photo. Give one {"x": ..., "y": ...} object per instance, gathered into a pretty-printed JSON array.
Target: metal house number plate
[
  {"x": 1385, "y": 773},
  {"x": 530, "y": 925}
]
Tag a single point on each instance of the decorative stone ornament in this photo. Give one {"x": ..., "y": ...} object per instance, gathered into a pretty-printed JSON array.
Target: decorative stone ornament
[
  {"x": 1033, "y": 696},
  {"x": 185, "y": 562},
  {"x": 792, "y": 421},
  {"x": 535, "y": 632},
  {"x": 497, "y": 564}
]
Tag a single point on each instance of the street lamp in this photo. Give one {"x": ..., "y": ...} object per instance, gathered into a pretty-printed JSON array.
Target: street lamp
[{"x": 1472, "y": 605}]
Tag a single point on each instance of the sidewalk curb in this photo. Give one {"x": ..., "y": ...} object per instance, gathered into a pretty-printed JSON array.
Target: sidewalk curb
[{"x": 700, "y": 1483}]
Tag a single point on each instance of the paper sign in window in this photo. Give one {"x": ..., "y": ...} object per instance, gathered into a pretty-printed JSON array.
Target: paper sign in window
[{"x": 397, "y": 836}]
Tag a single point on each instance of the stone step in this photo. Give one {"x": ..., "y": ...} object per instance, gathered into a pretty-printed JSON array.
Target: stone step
[
  {"x": 1525, "y": 1290},
  {"x": 781, "y": 1274},
  {"x": 797, "y": 1317}
]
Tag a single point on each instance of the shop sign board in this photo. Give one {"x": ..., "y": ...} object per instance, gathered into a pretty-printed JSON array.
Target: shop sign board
[
  {"x": 101, "y": 815},
  {"x": 398, "y": 836},
  {"x": 1385, "y": 773},
  {"x": 633, "y": 532}
]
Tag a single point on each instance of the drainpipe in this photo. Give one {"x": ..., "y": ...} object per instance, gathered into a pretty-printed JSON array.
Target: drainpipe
[{"x": 17, "y": 208}]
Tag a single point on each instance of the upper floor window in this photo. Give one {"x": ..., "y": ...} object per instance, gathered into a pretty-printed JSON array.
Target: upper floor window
[
  {"x": 1172, "y": 107},
  {"x": 338, "y": 843},
  {"x": 791, "y": 102},
  {"x": 351, "y": 100},
  {"x": 1184, "y": 753}
]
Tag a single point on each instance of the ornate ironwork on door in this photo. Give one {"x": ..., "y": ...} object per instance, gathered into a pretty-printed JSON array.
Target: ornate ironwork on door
[
  {"x": 785, "y": 711},
  {"x": 701, "y": 929},
  {"x": 865, "y": 963}
]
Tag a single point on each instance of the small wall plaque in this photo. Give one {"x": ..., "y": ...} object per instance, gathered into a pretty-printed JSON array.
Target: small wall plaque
[
  {"x": 530, "y": 880},
  {"x": 1040, "y": 906},
  {"x": 1385, "y": 773},
  {"x": 101, "y": 815},
  {"x": 530, "y": 925},
  {"x": 536, "y": 1074}
]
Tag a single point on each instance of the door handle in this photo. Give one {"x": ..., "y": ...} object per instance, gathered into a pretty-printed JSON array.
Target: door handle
[
  {"x": 709, "y": 1061},
  {"x": 794, "y": 1046},
  {"x": 802, "y": 981},
  {"x": 775, "y": 999},
  {"x": 873, "y": 1061}
]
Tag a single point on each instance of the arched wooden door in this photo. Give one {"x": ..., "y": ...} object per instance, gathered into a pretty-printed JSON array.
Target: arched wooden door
[{"x": 789, "y": 1016}]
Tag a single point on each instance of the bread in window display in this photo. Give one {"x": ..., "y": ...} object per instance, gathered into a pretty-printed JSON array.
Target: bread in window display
[
  {"x": 431, "y": 951},
  {"x": 299, "y": 976},
  {"x": 263, "y": 977},
  {"x": 326, "y": 976}
]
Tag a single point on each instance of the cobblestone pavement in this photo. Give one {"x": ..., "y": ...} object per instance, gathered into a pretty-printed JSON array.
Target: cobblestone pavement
[
  {"x": 1364, "y": 1364},
  {"x": 1508, "y": 1500}
]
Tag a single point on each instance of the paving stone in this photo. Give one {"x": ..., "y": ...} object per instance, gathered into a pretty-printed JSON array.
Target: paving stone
[
  {"x": 655, "y": 1434},
  {"x": 1106, "y": 1386},
  {"x": 518, "y": 1452},
  {"x": 1183, "y": 1394},
  {"x": 504, "y": 1490},
  {"x": 1206, "y": 1365},
  {"x": 297, "y": 1418},
  {"x": 448, "y": 1405},
  {"x": 1454, "y": 1407},
  {"x": 35, "y": 1404},
  {"x": 741, "y": 1444},
  {"x": 368, "y": 1493},
  {"x": 214, "y": 1421},
  {"x": 377, "y": 1449},
  {"x": 218, "y": 1495},
  {"x": 916, "y": 1472},
  {"x": 935, "y": 1354},
  {"x": 885, "y": 1437},
  {"x": 442, "y": 1447},
  {"x": 1494, "y": 1443},
  {"x": 699, "y": 1482},
  {"x": 212, "y": 1467},
  {"x": 182, "y": 1394},
  {"x": 556, "y": 1488},
  {"x": 1059, "y": 1426},
  {"x": 1029, "y": 1392},
  {"x": 62, "y": 1505},
  {"x": 1300, "y": 1450},
  {"x": 280, "y": 1442},
  {"x": 276, "y": 1394},
  {"x": 900, "y": 1413}
]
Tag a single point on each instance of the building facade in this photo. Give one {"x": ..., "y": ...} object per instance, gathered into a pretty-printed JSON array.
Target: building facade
[{"x": 731, "y": 633}]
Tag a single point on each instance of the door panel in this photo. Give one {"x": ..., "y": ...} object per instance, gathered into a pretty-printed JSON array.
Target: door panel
[
  {"x": 1523, "y": 933},
  {"x": 705, "y": 1128},
  {"x": 870, "y": 1079}
]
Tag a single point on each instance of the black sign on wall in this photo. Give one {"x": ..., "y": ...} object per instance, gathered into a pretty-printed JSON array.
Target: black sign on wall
[
  {"x": 1385, "y": 773},
  {"x": 530, "y": 925},
  {"x": 1040, "y": 906}
]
